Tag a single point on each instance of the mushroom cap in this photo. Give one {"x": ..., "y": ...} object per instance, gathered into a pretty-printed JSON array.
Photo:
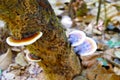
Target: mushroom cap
[
  {"x": 66, "y": 21},
  {"x": 76, "y": 37},
  {"x": 88, "y": 47},
  {"x": 24, "y": 41},
  {"x": 30, "y": 58}
]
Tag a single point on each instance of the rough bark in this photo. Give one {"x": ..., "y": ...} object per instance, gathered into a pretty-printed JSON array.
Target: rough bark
[{"x": 24, "y": 18}]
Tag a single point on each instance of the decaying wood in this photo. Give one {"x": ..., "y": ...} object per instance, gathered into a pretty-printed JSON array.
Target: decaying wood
[{"x": 24, "y": 18}]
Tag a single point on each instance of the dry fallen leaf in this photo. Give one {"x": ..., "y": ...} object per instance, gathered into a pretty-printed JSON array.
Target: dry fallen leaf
[
  {"x": 6, "y": 59},
  {"x": 100, "y": 73},
  {"x": 89, "y": 63},
  {"x": 109, "y": 54},
  {"x": 111, "y": 13},
  {"x": 20, "y": 59},
  {"x": 89, "y": 28},
  {"x": 117, "y": 53},
  {"x": 117, "y": 70},
  {"x": 8, "y": 76}
]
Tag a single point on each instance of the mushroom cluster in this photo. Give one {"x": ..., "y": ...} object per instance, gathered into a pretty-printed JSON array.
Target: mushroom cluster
[
  {"x": 26, "y": 41},
  {"x": 82, "y": 45}
]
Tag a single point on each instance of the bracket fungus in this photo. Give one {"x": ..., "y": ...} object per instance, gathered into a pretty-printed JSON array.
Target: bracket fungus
[
  {"x": 76, "y": 37},
  {"x": 32, "y": 57},
  {"x": 25, "y": 41}
]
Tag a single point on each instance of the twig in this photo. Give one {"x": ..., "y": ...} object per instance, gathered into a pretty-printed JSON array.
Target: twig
[
  {"x": 105, "y": 21},
  {"x": 98, "y": 13}
]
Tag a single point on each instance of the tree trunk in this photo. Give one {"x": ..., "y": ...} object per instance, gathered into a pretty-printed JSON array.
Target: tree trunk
[{"x": 24, "y": 18}]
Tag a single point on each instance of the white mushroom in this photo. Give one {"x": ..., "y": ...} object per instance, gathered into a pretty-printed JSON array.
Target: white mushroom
[
  {"x": 88, "y": 47},
  {"x": 66, "y": 21},
  {"x": 76, "y": 37}
]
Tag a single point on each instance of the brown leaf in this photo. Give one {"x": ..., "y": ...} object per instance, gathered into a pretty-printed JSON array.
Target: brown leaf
[
  {"x": 89, "y": 63},
  {"x": 6, "y": 59},
  {"x": 117, "y": 70},
  {"x": 90, "y": 57},
  {"x": 100, "y": 73},
  {"x": 20, "y": 59},
  {"x": 109, "y": 54}
]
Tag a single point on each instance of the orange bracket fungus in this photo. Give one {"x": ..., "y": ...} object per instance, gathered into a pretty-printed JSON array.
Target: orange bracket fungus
[
  {"x": 32, "y": 57},
  {"x": 25, "y": 41}
]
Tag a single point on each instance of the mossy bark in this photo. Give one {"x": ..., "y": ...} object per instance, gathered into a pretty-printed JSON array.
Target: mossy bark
[{"x": 24, "y": 18}]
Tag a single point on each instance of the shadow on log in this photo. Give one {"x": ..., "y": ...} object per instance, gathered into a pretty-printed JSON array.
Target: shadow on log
[{"x": 26, "y": 17}]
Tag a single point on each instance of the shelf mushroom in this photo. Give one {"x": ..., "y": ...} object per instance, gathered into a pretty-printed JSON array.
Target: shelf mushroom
[
  {"x": 32, "y": 58},
  {"x": 76, "y": 37},
  {"x": 88, "y": 47},
  {"x": 24, "y": 41}
]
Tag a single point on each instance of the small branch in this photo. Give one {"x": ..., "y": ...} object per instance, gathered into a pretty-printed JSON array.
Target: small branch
[
  {"x": 105, "y": 21},
  {"x": 98, "y": 13}
]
